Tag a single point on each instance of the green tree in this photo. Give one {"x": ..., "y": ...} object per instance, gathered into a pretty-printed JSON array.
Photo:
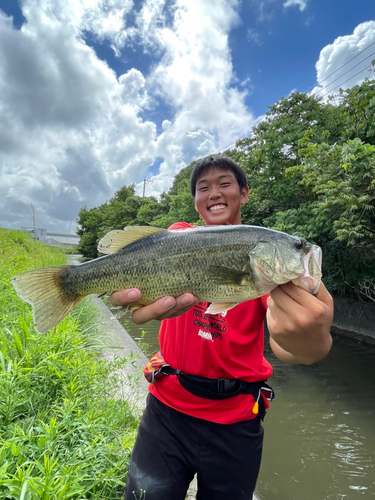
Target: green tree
[
  {"x": 180, "y": 202},
  {"x": 358, "y": 104},
  {"x": 273, "y": 148},
  {"x": 89, "y": 221},
  {"x": 310, "y": 166}
]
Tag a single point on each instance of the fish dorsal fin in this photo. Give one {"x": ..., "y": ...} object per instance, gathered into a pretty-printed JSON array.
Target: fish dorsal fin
[{"x": 113, "y": 241}]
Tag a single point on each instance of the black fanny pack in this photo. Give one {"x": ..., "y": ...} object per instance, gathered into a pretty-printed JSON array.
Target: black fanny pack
[
  {"x": 208, "y": 388},
  {"x": 222, "y": 388}
]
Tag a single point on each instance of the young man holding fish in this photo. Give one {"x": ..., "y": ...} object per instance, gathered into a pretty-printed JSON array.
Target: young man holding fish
[{"x": 218, "y": 437}]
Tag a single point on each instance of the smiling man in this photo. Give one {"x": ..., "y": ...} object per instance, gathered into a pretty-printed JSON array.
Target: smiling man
[
  {"x": 206, "y": 403},
  {"x": 219, "y": 194}
]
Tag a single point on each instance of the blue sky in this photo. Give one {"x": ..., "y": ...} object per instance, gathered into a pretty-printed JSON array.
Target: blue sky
[
  {"x": 101, "y": 93},
  {"x": 289, "y": 44}
]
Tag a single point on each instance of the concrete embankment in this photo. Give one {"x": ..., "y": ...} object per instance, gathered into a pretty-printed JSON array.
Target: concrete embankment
[
  {"x": 119, "y": 344},
  {"x": 355, "y": 319}
]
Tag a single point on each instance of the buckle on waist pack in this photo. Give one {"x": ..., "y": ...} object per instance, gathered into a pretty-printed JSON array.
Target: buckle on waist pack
[
  {"x": 267, "y": 392},
  {"x": 226, "y": 386}
]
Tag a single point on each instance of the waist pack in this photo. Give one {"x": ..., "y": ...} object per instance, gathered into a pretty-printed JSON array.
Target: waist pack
[{"x": 209, "y": 388}]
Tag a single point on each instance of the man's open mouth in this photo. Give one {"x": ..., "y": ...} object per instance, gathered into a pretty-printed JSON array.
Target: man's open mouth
[{"x": 216, "y": 208}]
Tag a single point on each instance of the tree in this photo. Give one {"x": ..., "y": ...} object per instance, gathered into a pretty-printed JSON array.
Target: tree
[
  {"x": 89, "y": 221},
  {"x": 273, "y": 148},
  {"x": 180, "y": 202},
  {"x": 310, "y": 167},
  {"x": 358, "y": 104}
]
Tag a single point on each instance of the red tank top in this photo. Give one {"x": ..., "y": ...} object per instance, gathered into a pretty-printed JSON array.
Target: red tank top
[{"x": 225, "y": 345}]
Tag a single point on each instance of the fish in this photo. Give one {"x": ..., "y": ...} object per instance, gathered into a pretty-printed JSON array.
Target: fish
[{"x": 221, "y": 265}]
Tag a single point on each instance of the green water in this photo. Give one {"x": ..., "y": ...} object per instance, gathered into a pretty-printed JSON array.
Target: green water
[{"x": 320, "y": 431}]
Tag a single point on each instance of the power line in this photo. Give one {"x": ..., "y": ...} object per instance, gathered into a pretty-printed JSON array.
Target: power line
[
  {"x": 342, "y": 83},
  {"x": 234, "y": 142},
  {"x": 326, "y": 78},
  {"x": 347, "y": 62},
  {"x": 328, "y": 84}
]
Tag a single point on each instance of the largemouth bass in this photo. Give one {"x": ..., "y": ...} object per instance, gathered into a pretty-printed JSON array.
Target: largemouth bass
[{"x": 224, "y": 265}]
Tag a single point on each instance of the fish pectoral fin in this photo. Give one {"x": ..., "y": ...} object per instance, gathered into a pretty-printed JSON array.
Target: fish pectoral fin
[
  {"x": 135, "y": 307},
  {"x": 215, "y": 308},
  {"x": 227, "y": 276},
  {"x": 113, "y": 241}
]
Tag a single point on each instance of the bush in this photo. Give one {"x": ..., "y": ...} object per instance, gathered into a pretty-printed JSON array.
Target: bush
[{"x": 63, "y": 432}]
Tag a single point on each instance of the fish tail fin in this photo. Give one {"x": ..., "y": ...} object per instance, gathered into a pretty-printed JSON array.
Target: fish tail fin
[{"x": 43, "y": 290}]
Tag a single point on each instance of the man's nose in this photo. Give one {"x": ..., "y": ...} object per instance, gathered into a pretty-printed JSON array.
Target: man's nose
[{"x": 215, "y": 192}]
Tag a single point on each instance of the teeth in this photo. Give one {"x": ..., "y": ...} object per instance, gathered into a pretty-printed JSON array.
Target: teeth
[{"x": 216, "y": 207}]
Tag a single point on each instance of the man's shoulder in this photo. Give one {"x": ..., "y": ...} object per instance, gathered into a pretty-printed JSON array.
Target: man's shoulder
[{"x": 180, "y": 225}]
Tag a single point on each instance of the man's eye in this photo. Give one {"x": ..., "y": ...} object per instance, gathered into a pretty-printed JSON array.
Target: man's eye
[
  {"x": 225, "y": 184},
  {"x": 202, "y": 189}
]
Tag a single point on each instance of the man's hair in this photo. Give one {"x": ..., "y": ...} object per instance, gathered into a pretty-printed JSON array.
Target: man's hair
[{"x": 216, "y": 161}]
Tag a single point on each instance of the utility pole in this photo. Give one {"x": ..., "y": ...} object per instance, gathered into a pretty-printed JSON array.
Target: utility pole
[
  {"x": 67, "y": 238},
  {"x": 33, "y": 216},
  {"x": 144, "y": 186}
]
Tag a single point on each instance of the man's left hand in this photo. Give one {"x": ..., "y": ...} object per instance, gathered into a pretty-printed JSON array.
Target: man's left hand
[{"x": 299, "y": 323}]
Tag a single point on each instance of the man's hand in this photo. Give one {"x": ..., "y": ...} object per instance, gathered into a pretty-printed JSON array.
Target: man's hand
[
  {"x": 167, "y": 307},
  {"x": 299, "y": 323}
]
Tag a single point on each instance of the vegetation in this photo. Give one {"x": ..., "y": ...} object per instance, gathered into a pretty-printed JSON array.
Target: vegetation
[
  {"x": 63, "y": 432},
  {"x": 311, "y": 170}
]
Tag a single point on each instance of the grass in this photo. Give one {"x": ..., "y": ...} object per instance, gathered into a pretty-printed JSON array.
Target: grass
[{"x": 63, "y": 432}]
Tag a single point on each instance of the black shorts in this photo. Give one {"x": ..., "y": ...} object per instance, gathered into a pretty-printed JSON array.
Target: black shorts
[{"x": 171, "y": 447}]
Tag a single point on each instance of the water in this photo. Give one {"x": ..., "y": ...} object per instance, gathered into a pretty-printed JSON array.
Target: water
[{"x": 320, "y": 431}]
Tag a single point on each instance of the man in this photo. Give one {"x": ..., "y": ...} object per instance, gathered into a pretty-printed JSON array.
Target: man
[{"x": 203, "y": 428}]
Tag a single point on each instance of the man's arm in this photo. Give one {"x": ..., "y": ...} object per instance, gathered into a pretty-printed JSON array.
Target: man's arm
[
  {"x": 167, "y": 307},
  {"x": 299, "y": 323}
]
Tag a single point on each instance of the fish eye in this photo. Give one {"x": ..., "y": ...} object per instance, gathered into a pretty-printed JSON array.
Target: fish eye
[{"x": 298, "y": 244}]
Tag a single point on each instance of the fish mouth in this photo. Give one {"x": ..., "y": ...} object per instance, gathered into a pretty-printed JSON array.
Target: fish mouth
[
  {"x": 312, "y": 263},
  {"x": 306, "y": 275},
  {"x": 217, "y": 207}
]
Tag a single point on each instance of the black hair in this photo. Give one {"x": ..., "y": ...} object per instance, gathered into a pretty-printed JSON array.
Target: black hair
[{"x": 216, "y": 161}]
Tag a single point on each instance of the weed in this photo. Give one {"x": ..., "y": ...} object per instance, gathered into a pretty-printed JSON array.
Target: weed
[{"x": 63, "y": 432}]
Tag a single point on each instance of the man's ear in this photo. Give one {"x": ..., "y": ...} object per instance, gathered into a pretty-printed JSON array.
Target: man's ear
[{"x": 244, "y": 195}]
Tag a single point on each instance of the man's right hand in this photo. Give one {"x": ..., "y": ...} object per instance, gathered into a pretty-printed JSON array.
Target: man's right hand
[{"x": 167, "y": 307}]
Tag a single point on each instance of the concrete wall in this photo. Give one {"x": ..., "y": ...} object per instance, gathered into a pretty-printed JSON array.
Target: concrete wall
[
  {"x": 118, "y": 343},
  {"x": 357, "y": 318}
]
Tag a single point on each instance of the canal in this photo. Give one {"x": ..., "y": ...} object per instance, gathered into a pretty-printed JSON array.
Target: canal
[{"x": 320, "y": 431}]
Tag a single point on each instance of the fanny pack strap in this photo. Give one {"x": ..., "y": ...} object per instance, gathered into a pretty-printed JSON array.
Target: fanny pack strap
[{"x": 207, "y": 387}]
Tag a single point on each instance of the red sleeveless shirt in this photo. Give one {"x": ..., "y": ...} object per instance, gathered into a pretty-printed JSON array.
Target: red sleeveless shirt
[{"x": 226, "y": 345}]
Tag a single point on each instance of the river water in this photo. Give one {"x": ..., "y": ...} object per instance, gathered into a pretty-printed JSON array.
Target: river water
[{"x": 320, "y": 430}]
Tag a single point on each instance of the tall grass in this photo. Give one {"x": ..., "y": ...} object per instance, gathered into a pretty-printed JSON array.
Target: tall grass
[{"x": 63, "y": 432}]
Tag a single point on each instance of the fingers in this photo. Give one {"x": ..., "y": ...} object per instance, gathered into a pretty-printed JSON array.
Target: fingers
[
  {"x": 292, "y": 309},
  {"x": 291, "y": 297},
  {"x": 167, "y": 307},
  {"x": 284, "y": 293},
  {"x": 125, "y": 297},
  {"x": 324, "y": 295}
]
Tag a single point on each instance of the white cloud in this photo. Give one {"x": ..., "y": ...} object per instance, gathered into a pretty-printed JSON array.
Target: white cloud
[
  {"x": 195, "y": 75},
  {"x": 67, "y": 120},
  {"x": 253, "y": 36},
  {"x": 346, "y": 61},
  {"x": 301, "y": 4},
  {"x": 72, "y": 132}
]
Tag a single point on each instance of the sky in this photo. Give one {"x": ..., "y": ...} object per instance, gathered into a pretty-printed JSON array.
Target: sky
[{"x": 98, "y": 94}]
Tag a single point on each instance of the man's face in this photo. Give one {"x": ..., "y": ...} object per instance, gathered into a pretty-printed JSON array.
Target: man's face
[{"x": 218, "y": 197}]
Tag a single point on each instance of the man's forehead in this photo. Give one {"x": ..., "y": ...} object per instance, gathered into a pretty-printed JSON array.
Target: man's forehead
[{"x": 217, "y": 173}]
